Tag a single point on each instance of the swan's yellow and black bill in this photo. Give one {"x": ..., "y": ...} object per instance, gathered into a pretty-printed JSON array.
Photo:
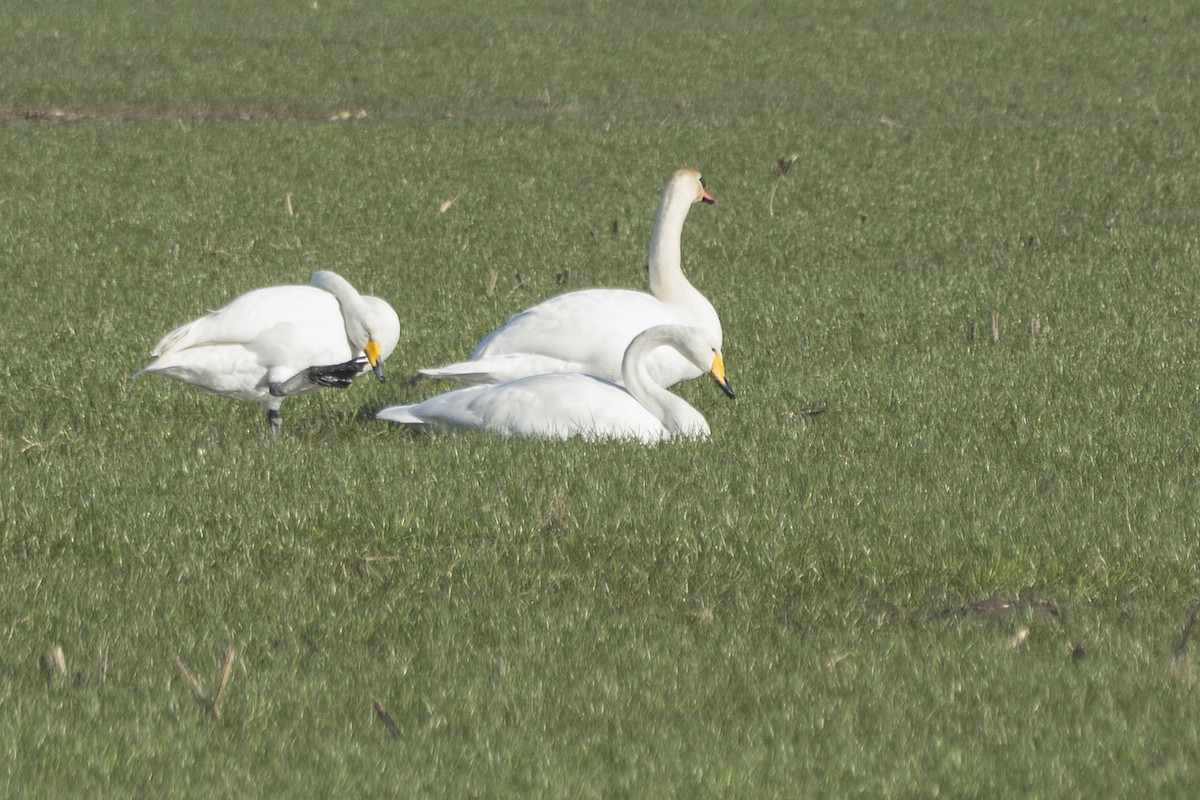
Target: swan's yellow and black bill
[
  {"x": 372, "y": 351},
  {"x": 718, "y": 374},
  {"x": 705, "y": 197}
]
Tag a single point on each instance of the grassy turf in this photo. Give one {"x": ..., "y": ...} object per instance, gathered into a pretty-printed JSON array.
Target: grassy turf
[{"x": 774, "y": 612}]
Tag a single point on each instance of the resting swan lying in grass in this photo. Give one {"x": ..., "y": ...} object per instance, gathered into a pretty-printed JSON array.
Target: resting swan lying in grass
[{"x": 561, "y": 405}]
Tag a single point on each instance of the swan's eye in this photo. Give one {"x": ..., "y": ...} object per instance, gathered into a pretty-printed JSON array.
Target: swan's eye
[{"x": 703, "y": 183}]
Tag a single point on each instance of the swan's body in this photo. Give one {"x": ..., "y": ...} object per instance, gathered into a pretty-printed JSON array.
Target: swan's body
[
  {"x": 280, "y": 342},
  {"x": 587, "y": 331},
  {"x": 562, "y": 405}
]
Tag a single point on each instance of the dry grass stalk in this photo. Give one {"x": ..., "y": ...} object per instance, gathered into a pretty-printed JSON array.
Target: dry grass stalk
[
  {"x": 489, "y": 285},
  {"x": 782, "y": 165},
  {"x": 227, "y": 657},
  {"x": 192, "y": 681},
  {"x": 834, "y": 660},
  {"x": 54, "y": 662},
  {"x": 287, "y": 202},
  {"x": 197, "y": 688},
  {"x": 513, "y": 290},
  {"x": 360, "y": 563},
  {"x": 386, "y": 718},
  {"x": 556, "y": 516},
  {"x": 995, "y": 328},
  {"x": 1187, "y": 630},
  {"x": 445, "y": 206},
  {"x": 365, "y": 560},
  {"x": 12, "y": 628},
  {"x": 1182, "y": 667}
]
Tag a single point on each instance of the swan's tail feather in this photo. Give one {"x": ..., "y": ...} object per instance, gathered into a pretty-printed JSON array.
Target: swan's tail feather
[
  {"x": 465, "y": 372},
  {"x": 501, "y": 368},
  {"x": 401, "y": 414}
]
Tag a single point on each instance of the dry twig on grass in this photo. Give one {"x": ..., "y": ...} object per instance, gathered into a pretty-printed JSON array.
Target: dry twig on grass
[
  {"x": 1182, "y": 667},
  {"x": 386, "y": 718},
  {"x": 54, "y": 662},
  {"x": 202, "y": 697},
  {"x": 782, "y": 165}
]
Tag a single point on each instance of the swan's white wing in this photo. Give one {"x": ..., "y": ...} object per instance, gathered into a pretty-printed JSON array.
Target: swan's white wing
[
  {"x": 499, "y": 369},
  {"x": 229, "y": 370},
  {"x": 252, "y": 315},
  {"x": 584, "y": 332},
  {"x": 265, "y": 336}
]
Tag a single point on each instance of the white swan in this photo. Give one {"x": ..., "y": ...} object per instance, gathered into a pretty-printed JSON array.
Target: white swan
[
  {"x": 280, "y": 342},
  {"x": 561, "y": 405},
  {"x": 587, "y": 331}
]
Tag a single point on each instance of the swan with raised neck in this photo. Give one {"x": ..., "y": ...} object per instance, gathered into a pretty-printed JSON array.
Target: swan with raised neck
[{"x": 587, "y": 331}]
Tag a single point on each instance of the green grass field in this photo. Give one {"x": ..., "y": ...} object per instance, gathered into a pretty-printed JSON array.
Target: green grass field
[{"x": 806, "y": 605}]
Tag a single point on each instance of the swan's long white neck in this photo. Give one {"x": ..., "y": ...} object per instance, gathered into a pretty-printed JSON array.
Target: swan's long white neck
[
  {"x": 667, "y": 281},
  {"x": 355, "y": 311},
  {"x": 675, "y": 413},
  {"x": 665, "y": 266}
]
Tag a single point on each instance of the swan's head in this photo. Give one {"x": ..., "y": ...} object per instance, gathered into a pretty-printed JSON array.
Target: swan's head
[
  {"x": 690, "y": 183},
  {"x": 382, "y": 329},
  {"x": 360, "y": 332},
  {"x": 694, "y": 344},
  {"x": 372, "y": 350},
  {"x": 371, "y": 324},
  {"x": 702, "y": 350}
]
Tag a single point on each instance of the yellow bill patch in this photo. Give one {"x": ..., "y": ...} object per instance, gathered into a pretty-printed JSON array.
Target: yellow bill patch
[
  {"x": 718, "y": 369},
  {"x": 372, "y": 351}
]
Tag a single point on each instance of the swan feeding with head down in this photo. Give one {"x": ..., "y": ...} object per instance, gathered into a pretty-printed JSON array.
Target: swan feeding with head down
[
  {"x": 562, "y": 405},
  {"x": 280, "y": 342},
  {"x": 587, "y": 331}
]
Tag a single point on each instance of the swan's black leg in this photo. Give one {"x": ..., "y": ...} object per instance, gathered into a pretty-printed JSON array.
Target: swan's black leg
[{"x": 275, "y": 420}]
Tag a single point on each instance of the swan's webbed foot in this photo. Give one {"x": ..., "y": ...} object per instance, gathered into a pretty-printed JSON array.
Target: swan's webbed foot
[{"x": 335, "y": 376}]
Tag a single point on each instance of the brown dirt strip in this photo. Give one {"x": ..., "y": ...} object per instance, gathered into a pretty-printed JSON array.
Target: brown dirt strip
[{"x": 69, "y": 115}]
